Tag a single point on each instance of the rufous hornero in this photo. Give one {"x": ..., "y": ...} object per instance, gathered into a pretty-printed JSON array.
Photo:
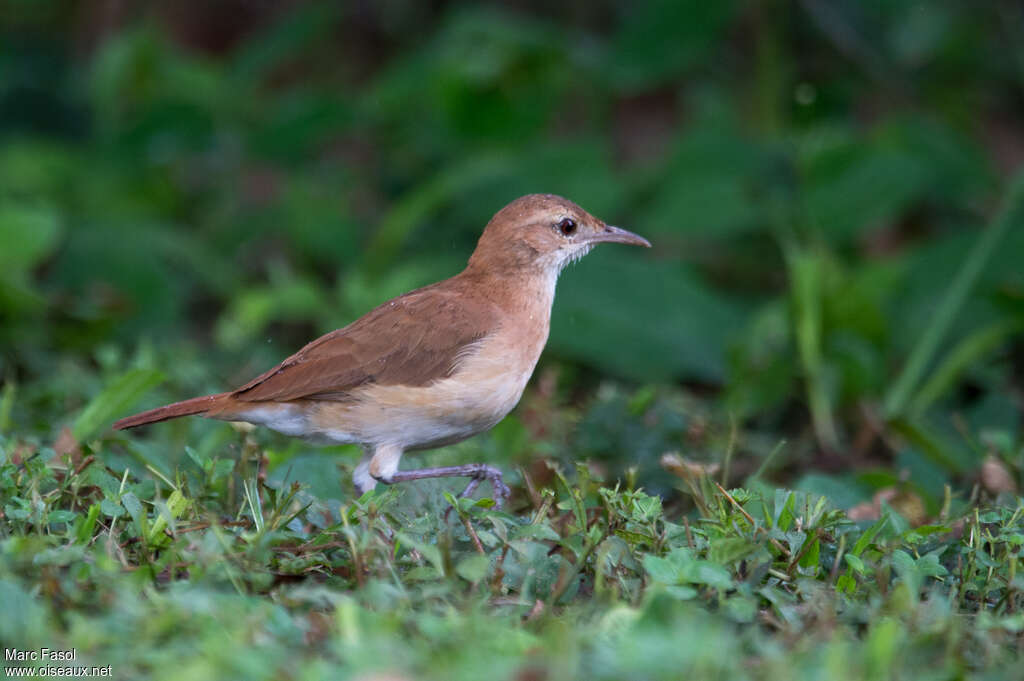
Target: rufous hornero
[{"x": 431, "y": 367}]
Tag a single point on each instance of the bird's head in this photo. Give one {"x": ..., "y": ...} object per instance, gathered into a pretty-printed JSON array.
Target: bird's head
[{"x": 543, "y": 232}]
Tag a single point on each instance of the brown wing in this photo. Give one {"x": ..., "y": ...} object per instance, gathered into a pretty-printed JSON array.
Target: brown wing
[{"x": 412, "y": 340}]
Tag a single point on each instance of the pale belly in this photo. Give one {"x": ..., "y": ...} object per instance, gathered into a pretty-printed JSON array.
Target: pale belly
[
  {"x": 445, "y": 412},
  {"x": 483, "y": 391}
]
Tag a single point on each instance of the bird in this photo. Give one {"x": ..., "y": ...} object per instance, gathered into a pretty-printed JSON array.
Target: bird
[{"x": 431, "y": 367}]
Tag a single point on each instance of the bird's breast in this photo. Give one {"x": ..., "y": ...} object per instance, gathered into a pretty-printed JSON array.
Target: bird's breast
[{"x": 485, "y": 385}]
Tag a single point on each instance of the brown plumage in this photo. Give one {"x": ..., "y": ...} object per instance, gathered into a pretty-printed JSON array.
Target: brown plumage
[
  {"x": 197, "y": 405},
  {"x": 430, "y": 367},
  {"x": 427, "y": 328},
  {"x": 431, "y": 326}
]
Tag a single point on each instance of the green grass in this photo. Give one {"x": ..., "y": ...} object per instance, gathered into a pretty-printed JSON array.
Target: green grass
[{"x": 219, "y": 569}]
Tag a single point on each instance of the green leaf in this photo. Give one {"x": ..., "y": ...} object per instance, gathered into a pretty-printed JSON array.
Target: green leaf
[
  {"x": 114, "y": 401},
  {"x": 473, "y": 568},
  {"x": 221, "y": 468},
  {"x": 869, "y": 536},
  {"x": 741, "y": 608},
  {"x": 645, "y": 507},
  {"x": 903, "y": 561},
  {"x": 536, "y": 531},
  {"x": 929, "y": 565},
  {"x": 176, "y": 505},
  {"x": 785, "y": 502},
  {"x": 138, "y": 514},
  {"x": 659, "y": 40},
  {"x": 84, "y": 530},
  {"x": 919, "y": 533},
  {"x": 633, "y": 332},
  {"x": 680, "y": 567},
  {"x": 662, "y": 569},
  {"x": 27, "y": 235},
  {"x": 198, "y": 459},
  {"x": 683, "y": 593},
  {"x": 862, "y": 186},
  {"x": 705, "y": 572},
  {"x": 60, "y": 516},
  {"x": 430, "y": 552},
  {"x": 846, "y": 584},
  {"x": 1011, "y": 214},
  {"x": 634, "y": 537},
  {"x": 730, "y": 549},
  {"x": 813, "y": 555},
  {"x": 111, "y": 508}
]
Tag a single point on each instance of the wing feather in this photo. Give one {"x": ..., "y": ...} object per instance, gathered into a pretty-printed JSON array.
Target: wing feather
[{"x": 413, "y": 340}]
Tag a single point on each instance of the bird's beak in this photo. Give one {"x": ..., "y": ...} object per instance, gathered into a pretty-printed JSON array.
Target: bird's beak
[{"x": 619, "y": 236}]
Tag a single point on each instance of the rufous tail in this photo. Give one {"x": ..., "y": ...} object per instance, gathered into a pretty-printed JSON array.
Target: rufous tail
[{"x": 197, "y": 405}]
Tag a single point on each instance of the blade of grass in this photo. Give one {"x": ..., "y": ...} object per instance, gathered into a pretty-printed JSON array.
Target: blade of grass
[
  {"x": 966, "y": 353},
  {"x": 932, "y": 445},
  {"x": 113, "y": 401},
  {"x": 6, "y": 405},
  {"x": 924, "y": 351},
  {"x": 252, "y": 499},
  {"x": 759, "y": 473},
  {"x": 806, "y": 273}
]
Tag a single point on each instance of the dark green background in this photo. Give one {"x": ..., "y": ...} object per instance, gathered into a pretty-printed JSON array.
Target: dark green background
[{"x": 202, "y": 187}]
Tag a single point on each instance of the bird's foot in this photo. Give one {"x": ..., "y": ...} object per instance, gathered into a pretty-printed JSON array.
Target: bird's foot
[
  {"x": 501, "y": 490},
  {"x": 477, "y": 472},
  {"x": 491, "y": 474}
]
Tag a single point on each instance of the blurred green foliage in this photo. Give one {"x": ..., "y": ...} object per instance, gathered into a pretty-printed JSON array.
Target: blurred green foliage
[
  {"x": 186, "y": 184},
  {"x": 834, "y": 303},
  {"x": 280, "y": 175}
]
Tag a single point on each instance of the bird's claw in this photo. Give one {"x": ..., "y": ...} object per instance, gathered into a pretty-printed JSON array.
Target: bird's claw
[
  {"x": 491, "y": 475},
  {"x": 501, "y": 490}
]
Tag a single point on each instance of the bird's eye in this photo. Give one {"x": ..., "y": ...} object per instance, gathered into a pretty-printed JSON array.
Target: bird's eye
[{"x": 567, "y": 226}]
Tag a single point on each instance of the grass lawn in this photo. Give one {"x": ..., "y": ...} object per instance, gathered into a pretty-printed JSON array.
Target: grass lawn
[{"x": 196, "y": 565}]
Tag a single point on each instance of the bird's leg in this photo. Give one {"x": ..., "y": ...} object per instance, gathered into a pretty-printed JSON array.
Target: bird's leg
[
  {"x": 476, "y": 471},
  {"x": 361, "y": 476}
]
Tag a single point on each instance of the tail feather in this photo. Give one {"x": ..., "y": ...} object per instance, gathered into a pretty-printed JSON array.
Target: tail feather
[{"x": 197, "y": 405}]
